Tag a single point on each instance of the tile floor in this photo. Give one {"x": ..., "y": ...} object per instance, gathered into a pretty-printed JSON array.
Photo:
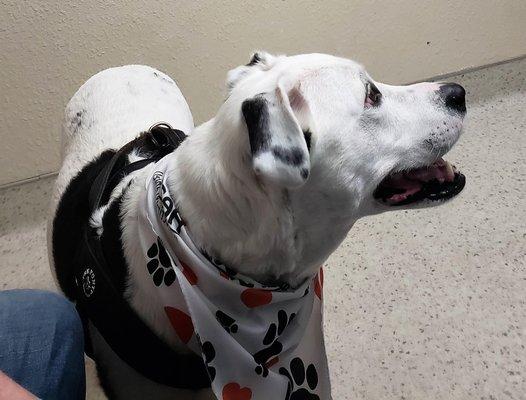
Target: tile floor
[{"x": 427, "y": 304}]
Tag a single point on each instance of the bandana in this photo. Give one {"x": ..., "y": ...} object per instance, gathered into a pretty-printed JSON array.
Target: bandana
[{"x": 258, "y": 342}]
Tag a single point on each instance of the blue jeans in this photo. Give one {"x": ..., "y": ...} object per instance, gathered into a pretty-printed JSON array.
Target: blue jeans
[{"x": 41, "y": 344}]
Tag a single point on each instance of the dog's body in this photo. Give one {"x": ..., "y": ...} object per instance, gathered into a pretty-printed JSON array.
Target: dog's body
[{"x": 270, "y": 186}]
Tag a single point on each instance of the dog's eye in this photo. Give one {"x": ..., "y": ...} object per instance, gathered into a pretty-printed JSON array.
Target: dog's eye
[{"x": 373, "y": 97}]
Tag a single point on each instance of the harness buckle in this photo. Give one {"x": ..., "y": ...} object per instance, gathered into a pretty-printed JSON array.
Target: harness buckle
[{"x": 158, "y": 134}]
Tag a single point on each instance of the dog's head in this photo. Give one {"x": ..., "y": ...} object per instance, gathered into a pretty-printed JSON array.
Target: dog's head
[{"x": 318, "y": 122}]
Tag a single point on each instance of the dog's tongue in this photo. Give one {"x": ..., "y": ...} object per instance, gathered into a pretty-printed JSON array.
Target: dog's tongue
[{"x": 410, "y": 182}]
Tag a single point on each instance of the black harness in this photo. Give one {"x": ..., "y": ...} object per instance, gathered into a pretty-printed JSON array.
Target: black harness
[{"x": 97, "y": 299}]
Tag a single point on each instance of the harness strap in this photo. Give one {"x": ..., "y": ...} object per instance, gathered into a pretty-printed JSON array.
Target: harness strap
[
  {"x": 161, "y": 137},
  {"x": 99, "y": 302}
]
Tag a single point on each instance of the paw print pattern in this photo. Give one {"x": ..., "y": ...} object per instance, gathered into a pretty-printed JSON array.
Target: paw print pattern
[
  {"x": 209, "y": 353},
  {"x": 297, "y": 377},
  {"x": 160, "y": 266},
  {"x": 268, "y": 356},
  {"x": 226, "y": 322}
]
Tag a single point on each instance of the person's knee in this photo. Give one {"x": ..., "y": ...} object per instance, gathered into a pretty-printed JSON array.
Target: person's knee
[
  {"x": 55, "y": 309},
  {"x": 42, "y": 343},
  {"x": 67, "y": 321}
]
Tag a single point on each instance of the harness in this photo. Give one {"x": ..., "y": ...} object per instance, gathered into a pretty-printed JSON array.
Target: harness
[{"x": 100, "y": 303}]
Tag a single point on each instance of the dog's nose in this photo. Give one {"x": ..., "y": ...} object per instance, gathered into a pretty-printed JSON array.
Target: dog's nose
[{"x": 454, "y": 96}]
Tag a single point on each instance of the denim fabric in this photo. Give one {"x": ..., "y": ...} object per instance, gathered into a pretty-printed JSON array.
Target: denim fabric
[{"x": 41, "y": 344}]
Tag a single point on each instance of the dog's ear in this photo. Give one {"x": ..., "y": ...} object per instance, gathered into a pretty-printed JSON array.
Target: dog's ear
[
  {"x": 262, "y": 59},
  {"x": 259, "y": 59},
  {"x": 278, "y": 143}
]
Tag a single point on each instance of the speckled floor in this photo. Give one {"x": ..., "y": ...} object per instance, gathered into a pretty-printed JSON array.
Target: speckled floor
[{"x": 427, "y": 304}]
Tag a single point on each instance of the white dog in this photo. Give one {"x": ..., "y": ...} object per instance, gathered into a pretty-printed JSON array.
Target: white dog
[{"x": 301, "y": 148}]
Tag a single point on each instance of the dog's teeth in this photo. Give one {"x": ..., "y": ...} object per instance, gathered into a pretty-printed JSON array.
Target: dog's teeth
[{"x": 450, "y": 171}]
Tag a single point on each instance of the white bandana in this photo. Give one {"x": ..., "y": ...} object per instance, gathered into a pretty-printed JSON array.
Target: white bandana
[{"x": 258, "y": 342}]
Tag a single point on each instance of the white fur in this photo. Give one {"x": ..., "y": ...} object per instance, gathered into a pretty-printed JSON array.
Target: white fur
[{"x": 236, "y": 207}]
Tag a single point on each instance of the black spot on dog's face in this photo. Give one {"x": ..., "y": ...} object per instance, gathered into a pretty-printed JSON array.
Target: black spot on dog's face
[
  {"x": 293, "y": 156},
  {"x": 308, "y": 136},
  {"x": 256, "y": 115},
  {"x": 279, "y": 152}
]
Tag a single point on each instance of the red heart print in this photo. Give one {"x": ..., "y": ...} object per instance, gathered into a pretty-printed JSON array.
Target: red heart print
[
  {"x": 190, "y": 275},
  {"x": 232, "y": 391},
  {"x": 181, "y": 322},
  {"x": 256, "y": 297},
  {"x": 318, "y": 284}
]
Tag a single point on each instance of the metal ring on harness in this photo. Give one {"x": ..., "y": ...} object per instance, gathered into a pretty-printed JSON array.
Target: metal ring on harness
[
  {"x": 162, "y": 123},
  {"x": 157, "y": 136}
]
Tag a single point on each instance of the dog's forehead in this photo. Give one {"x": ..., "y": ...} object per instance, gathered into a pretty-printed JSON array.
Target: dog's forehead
[
  {"x": 306, "y": 66},
  {"x": 316, "y": 68},
  {"x": 304, "y": 63}
]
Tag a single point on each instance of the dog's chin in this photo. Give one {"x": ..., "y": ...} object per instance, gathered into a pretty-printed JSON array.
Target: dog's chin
[{"x": 424, "y": 186}]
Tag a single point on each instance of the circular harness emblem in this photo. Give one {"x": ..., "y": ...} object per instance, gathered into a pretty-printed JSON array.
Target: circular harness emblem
[{"x": 88, "y": 282}]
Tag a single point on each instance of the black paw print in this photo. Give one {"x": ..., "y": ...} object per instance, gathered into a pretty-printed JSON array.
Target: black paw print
[
  {"x": 297, "y": 377},
  {"x": 160, "y": 266},
  {"x": 226, "y": 322},
  {"x": 274, "y": 347},
  {"x": 209, "y": 354}
]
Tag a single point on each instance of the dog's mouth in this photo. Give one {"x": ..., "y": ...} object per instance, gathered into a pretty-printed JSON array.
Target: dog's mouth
[{"x": 439, "y": 181}]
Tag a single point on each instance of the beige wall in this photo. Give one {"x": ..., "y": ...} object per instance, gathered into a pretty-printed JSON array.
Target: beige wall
[{"x": 49, "y": 48}]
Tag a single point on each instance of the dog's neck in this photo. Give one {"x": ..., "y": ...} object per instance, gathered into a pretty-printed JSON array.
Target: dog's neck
[{"x": 267, "y": 233}]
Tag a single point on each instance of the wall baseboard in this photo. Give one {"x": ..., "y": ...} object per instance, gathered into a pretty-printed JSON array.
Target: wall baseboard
[
  {"x": 468, "y": 70},
  {"x": 28, "y": 180}
]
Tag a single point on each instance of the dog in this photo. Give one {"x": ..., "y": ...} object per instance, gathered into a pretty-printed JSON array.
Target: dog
[{"x": 302, "y": 147}]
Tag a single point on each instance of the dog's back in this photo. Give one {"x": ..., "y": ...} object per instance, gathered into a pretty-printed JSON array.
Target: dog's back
[
  {"x": 108, "y": 111},
  {"x": 111, "y": 109}
]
